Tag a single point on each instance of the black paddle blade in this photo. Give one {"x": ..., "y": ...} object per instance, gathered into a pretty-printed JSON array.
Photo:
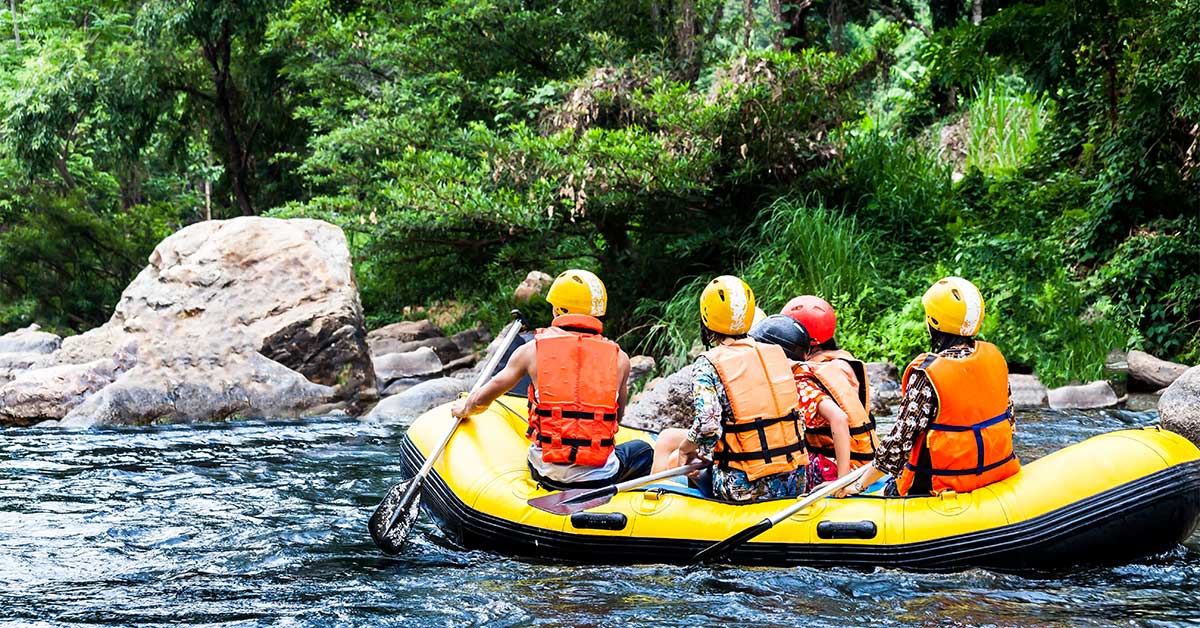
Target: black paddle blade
[
  {"x": 389, "y": 537},
  {"x": 718, "y": 550},
  {"x": 573, "y": 501}
]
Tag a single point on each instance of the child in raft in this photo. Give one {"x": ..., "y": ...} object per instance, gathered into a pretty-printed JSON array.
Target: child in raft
[{"x": 820, "y": 413}]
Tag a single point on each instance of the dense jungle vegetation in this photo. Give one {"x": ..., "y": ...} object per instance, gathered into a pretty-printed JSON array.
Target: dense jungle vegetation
[{"x": 854, "y": 149}]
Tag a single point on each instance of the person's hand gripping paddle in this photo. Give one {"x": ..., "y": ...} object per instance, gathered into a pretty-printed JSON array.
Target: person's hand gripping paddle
[{"x": 396, "y": 514}]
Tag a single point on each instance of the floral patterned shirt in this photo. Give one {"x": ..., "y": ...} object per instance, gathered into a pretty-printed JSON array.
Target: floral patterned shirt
[{"x": 710, "y": 403}]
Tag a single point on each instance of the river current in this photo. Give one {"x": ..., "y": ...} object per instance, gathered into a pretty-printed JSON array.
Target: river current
[{"x": 263, "y": 524}]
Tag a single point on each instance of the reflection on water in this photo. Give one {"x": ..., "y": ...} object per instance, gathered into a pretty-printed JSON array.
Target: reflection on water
[{"x": 262, "y": 524}]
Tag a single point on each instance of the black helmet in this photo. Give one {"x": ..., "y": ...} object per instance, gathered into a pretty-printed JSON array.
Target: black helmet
[{"x": 778, "y": 329}]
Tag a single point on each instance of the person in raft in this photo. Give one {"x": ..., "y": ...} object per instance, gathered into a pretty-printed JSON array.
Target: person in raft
[
  {"x": 745, "y": 408},
  {"x": 829, "y": 375},
  {"x": 580, "y": 382},
  {"x": 831, "y": 456},
  {"x": 955, "y": 428}
]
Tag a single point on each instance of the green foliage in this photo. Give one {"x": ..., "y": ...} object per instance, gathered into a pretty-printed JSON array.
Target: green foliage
[
  {"x": 1004, "y": 127},
  {"x": 462, "y": 143}
]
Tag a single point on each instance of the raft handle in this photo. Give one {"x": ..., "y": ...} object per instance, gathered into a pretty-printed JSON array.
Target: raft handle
[
  {"x": 846, "y": 530},
  {"x": 599, "y": 520}
]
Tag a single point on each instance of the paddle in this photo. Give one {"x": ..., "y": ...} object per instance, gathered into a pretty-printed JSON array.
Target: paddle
[
  {"x": 721, "y": 548},
  {"x": 575, "y": 500},
  {"x": 396, "y": 513}
]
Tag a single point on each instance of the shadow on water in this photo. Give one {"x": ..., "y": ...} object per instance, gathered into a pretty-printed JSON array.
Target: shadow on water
[{"x": 262, "y": 524}]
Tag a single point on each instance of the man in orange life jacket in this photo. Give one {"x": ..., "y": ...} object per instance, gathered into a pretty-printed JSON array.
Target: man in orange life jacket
[
  {"x": 580, "y": 387},
  {"x": 955, "y": 429}
]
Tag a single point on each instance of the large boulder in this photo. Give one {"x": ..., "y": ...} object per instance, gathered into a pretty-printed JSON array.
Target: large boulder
[
  {"x": 243, "y": 308},
  {"x": 1094, "y": 395},
  {"x": 667, "y": 404},
  {"x": 1179, "y": 406},
  {"x": 1152, "y": 371},
  {"x": 29, "y": 340},
  {"x": 1027, "y": 391},
  {"x": 405, "y": 407}
]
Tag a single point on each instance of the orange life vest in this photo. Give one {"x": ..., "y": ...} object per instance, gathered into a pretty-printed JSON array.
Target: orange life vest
[
  {"x": 764, "y": 436},
  {"x": 573, "y": 410},
  {"x": 969, "y": 444},
  {"x": 854, "y": 400}
]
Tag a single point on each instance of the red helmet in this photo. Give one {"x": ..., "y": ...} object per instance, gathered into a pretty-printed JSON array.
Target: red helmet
[{"x": 816, "y": 314}]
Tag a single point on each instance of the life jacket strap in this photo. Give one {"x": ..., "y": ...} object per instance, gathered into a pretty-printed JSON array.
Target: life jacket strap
[
  {"x": 766, "y": 455},
  {"x": 575, "y": 414},
  {"x": 827, "y": 430},
  {"x": 979, "y": 470}
]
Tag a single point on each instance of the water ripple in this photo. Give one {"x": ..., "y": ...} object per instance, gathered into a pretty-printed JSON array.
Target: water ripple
[{"x": 261, "y": 524}]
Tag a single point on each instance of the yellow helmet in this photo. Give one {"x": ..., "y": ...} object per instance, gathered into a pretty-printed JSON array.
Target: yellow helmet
[
  {"x": 727, "y": 306},
  {"x": 578, "y": 292},
  {"x": 953, "y": 305}
]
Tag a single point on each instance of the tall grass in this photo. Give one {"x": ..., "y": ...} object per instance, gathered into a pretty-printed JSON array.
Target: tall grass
[
  {"x": 801, "y": 248},
  {"x": 1004, "y": 126}
]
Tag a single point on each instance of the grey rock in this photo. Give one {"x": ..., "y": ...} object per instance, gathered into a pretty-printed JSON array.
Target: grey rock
[
  {"x": 51, "y": 393},
  {"x": 668, "y": 404},
  {"x": 401, "y": 385},
  {"x": 1027, "y": 391},
  {"x": 29, "y": 340},
  {"x": 468, "y": 339},
  {"x": 1179, "y": 406},
  {"x": 13, "y": 364},
  {"x": 408, "y": 405},
  {"x": 238, "y": 317},
  {"x": 393, "y": 366},
  {"x": 535, "y": 283},
  {"x": 885, "y": 386},
  {"x": 1141, "y": 402},
  {"x": 1148, "y": 369},
  {"x": 639, "y": 367},
  {"x": 446, "y": 349},
  {"x": 404, "y": 331},
  {"x": 1097, "y": 394},
  {"x": 247, "y": 386}
]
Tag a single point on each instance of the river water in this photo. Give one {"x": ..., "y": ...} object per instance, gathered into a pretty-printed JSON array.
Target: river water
[{"x": 262, "y": 524}]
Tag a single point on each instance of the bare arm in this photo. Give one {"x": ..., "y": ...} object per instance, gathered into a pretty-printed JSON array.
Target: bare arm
[
  {"x": 623, "y": 388},
  {"x": 839, "y": 425},
  {"x": 478, "y": 401}
]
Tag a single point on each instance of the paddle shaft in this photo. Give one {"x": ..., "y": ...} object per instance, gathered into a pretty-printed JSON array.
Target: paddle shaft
[
  {"x": 636, "y": 482},
  {"x": 720, "y": 548},
  {"x": 485, "y": 374}
]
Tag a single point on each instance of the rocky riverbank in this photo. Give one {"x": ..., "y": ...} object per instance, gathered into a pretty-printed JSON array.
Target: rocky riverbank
[{"x": 258, "y": 317}]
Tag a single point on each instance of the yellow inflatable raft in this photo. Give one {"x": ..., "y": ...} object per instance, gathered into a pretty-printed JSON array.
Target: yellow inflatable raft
[{"x": 1113, "y": 498}]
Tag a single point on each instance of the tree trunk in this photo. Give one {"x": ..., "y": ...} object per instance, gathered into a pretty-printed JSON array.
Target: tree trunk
[
  {"x": 976, "y": 12},
  {"x": 776, "y": 7},
  {"x": 837, "y": 24},
  {"x": 796, "y": 24},
  {"x": 218, "y": 56},
  {"x": 12, "y": 6},
  {"x": 945, "y": 13},
  {"x": 748, "y": 33},
  {"x": 685, "y": 40}
]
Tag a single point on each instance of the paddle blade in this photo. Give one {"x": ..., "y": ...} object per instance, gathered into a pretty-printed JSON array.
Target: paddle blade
[
  {"x": 395, "y": 516},
  {"x": 572, "y": 501},
  {"x": 717, "y": 550}
]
